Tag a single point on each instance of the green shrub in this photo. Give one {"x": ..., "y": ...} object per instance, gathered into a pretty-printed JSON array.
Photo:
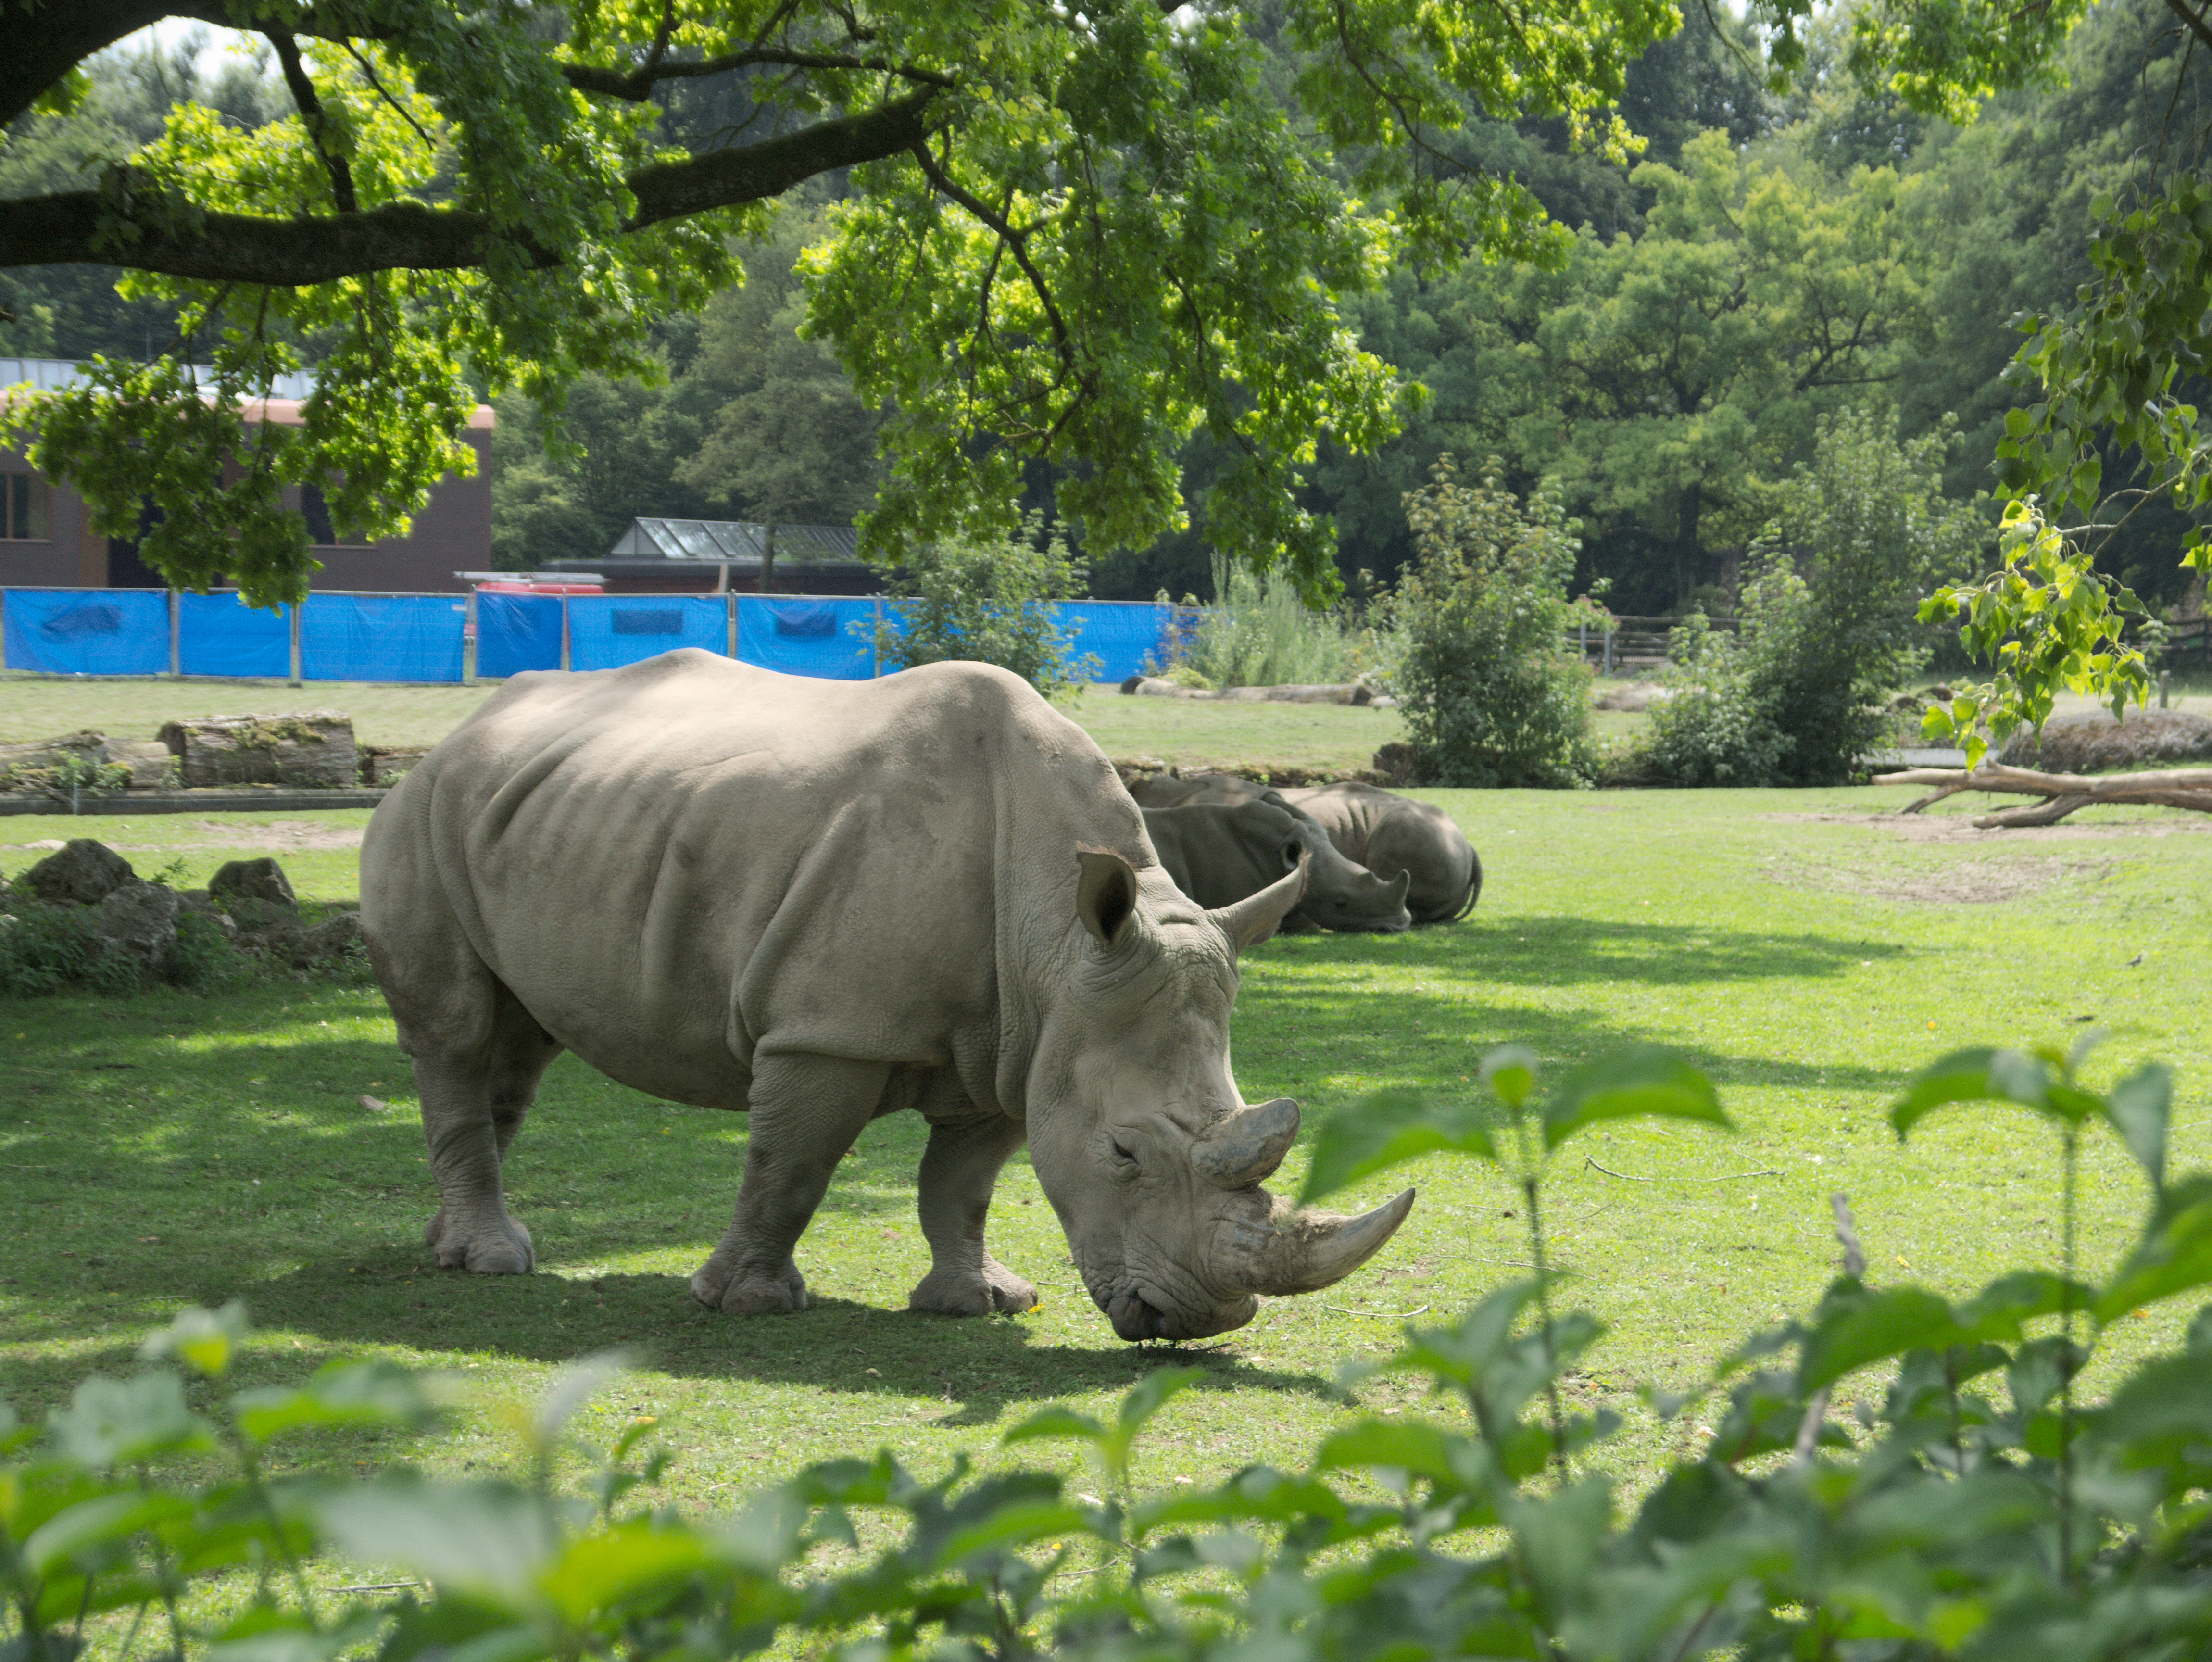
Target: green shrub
[
  {"x": 1494, "y": 694},
  {"x": 988, "y": 599},
  {"x": 52, "y": 949},
  {"x": 1984, "y": 1508},
  {"x": 1827, "y": 620}
]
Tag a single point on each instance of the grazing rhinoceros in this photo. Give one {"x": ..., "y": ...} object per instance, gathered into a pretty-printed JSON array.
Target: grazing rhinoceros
[
  {"x": 1219, "y": 853},
  {"x": 825, "y": 901},
  {"x": 1381, "y": 831}
]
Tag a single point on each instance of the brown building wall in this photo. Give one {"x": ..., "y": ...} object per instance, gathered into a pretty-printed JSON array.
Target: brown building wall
[
  {"x": 452, "y": 534},
  {"x": 58, "y": 561}
]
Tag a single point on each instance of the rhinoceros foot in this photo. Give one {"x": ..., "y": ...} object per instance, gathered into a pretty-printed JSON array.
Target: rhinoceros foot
[
  {"x": 750, "y": 1293},
  {"x": 967, "y": 1293},
  {"x": 501, "y": 1250}
]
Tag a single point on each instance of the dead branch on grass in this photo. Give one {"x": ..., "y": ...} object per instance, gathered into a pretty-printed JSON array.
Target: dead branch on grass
[{"x": 2063, "y": 793}]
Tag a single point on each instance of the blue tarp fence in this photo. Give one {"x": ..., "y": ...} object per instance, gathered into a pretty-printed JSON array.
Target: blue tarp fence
[
  {"x": 220, "y": 635},
  {"x": 424, "y": 637}
]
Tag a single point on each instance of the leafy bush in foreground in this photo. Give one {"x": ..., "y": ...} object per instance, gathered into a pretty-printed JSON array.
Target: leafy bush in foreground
[{"x": 1983, "y": 1510}]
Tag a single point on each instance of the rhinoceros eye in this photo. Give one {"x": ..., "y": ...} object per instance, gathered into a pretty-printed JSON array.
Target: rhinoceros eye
[{"x": 1121, "y": 1154}]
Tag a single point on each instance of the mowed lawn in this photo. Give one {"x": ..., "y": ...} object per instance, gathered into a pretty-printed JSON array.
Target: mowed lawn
[
  {"x": 1809, "y": 949},
  {"x": 1179, "y": 732}
]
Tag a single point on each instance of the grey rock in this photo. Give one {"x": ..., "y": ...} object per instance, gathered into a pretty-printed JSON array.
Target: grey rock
[
  {"x": 83, "y": 872},
  {"x": 261, "y": 879},
  {"x": 196, "y": 901},
  {"x": 334, "y": 937},
  {"x": 140, "y": 919},
  {"x": 257, "y": 916}
]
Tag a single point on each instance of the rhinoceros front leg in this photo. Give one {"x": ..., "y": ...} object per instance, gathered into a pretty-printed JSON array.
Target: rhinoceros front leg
[
  {"x": 807, "y": 1110},
  {"x": 958, "y": 1170},
  {"x": 475, "y": 1099}
]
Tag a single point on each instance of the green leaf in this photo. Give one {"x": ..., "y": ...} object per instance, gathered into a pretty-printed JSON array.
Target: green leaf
[
  {"x": 1055, "y": 1422},
  {"x": 1149, "y": 1396},
  {"x": 339, "y": 1394},
  {"x": 1387, "y": 1130},
  {"x": 2139, "y": 1107},
  {"x": 1985, "y": 1074},
  {"x": 1452, "y": 1463},
  {"x": 489, "y": 1541},
  {"x": 599, "y": 1573},
  {"x": 1639, "y": 1082},
  {"x": 1510, "y": 1071},
  {"x": 1856, "y": 1327},
  {"x": 88, "y": 1533},
  {"x": 205, "y": 1339},
  {"x": 112, "y": 1422},
  {"x": 2173, "y": 1256}
]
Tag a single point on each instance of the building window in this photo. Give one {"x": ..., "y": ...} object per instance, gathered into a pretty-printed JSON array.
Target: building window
[
  {"x": 317, "y": 512},
  {"x": 24, "y": 513}
]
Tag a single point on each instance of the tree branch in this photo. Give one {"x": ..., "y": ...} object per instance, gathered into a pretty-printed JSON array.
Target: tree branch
[
  {"x": 76, "y": 227},
  {"x": 2194, "y": 20},
  {"x": 311, "y": 112},
  {"x": 1015, "y": 241},
  {"x": 634, "y": 85}
]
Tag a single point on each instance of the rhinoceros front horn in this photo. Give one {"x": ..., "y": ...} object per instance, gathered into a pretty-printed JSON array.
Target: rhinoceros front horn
[
  {"x": 1395, "y": 894},
  {"x": 1308, "y": 1250},
  {"x": 1246, "y": 1147}
]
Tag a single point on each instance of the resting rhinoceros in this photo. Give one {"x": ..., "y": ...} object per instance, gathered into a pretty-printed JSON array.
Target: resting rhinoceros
[
  {"x": 825, "y": 901},
  {"x": 1381, "y": 831},
  {"x": 1219, "y": 853}
]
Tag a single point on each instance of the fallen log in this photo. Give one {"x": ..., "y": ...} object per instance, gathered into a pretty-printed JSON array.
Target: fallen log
[
  {"x": 312, "y": 748},
  {"x": 2061, "y": 793}
]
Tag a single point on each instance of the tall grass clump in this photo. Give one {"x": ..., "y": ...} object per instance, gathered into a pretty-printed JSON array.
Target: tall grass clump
[{"x": 1259, "y": 632}]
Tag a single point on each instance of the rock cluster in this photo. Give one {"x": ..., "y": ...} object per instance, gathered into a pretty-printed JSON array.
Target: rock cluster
[
  {"x": 249, "y": 902},
  {"x": 2093, "y": 742},
  {"x": 313, "y": 750}
]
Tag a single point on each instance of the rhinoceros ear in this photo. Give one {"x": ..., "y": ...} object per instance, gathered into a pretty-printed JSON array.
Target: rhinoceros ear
[
  {"x": 1105, "y": 894},
  {"x": 1254, "y": 918}
]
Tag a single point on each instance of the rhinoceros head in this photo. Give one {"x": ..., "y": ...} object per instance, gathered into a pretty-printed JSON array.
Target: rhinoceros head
[
  {"x": 1341, "y": 894},
  {"x": 1138, "y": 1136}
]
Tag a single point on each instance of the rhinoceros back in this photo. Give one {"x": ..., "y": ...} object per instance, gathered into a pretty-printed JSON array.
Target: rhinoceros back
[{"x": 672, "y": 863}]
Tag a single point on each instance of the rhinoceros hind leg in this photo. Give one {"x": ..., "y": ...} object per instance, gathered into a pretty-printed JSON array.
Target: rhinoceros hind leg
[
  {"x": 959, "y": 1169},
  {"x": 807, "y": 1109},
  {"x": 474, "y": 1098}
]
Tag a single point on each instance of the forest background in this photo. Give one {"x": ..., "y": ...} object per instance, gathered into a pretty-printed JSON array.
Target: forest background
[{"x": 1769, "y": 258}]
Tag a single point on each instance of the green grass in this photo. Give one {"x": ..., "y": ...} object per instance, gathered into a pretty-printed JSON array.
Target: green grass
[
  {"x": 170, "y": 1149},
  {"x": 1186, "y": 732}
]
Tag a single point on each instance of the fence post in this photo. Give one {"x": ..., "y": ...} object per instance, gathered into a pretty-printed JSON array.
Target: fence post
[
  {"x": 293, "y": 612},
  {"x": 176, "y": 636},
  {"x": 730, "y": 613},
  {"x": 469, "y": 641},
  {"x": 1608, "y": 652},
  {"x": 1584, "y": 627},
  {"x": 875, "y": 644},
  {"x": 564, "y": 631}
]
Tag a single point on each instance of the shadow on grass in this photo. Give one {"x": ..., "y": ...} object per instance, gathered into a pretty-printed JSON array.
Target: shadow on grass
[{"x": 1555, "y": 951}]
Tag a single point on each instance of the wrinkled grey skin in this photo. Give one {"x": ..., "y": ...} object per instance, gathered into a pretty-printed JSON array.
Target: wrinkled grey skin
[
  {"x": 1384, "y": 831},
  {"x": 822, "y": 902},
  {"x": 1218, "y": 853}
]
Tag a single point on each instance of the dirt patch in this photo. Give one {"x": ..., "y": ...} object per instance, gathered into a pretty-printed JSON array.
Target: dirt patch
[
  {"x": 1961, "y": 883},
  {"x": 1960, "y": 828}
]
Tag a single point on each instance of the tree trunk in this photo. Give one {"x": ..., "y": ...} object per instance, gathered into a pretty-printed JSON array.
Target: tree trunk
[
  {"x": 1688, "y": 564},
  {"x": 768, "y": 561},
  {"x": 316, "y": 748}
]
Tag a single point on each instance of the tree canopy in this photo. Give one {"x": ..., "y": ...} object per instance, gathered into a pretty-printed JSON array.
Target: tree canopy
[{"x": 1077, "y": 235}]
